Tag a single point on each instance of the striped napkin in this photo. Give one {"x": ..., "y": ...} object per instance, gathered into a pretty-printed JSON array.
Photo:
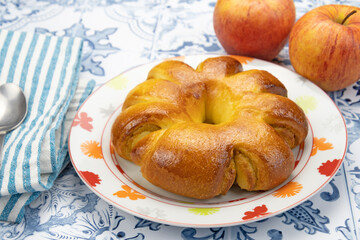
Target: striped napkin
[{"x": 47, "y": 69}]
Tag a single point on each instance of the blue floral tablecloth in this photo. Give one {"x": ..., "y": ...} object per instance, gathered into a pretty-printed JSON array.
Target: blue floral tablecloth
[{"x": 120, "y": 34}]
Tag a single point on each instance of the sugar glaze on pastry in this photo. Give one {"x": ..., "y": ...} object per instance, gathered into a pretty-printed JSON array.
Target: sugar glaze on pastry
[{"x": 196, "y": 132}]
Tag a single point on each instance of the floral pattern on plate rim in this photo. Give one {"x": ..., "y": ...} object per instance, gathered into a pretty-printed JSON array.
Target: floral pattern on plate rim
[{"x": 327, "y": 168}]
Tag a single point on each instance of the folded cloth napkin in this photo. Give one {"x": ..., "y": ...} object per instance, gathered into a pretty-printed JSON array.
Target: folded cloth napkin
[{"x": 47, "y": 69}]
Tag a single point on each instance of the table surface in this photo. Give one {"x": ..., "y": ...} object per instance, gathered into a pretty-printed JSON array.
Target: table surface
[{"x": 120, "y": 34}]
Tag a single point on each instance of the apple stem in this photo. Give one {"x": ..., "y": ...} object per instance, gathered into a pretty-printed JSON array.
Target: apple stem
[{"x": 349, "y": 15}]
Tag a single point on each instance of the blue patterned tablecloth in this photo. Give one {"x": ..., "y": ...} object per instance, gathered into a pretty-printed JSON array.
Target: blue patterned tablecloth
[{"x": 120, "y": 34}]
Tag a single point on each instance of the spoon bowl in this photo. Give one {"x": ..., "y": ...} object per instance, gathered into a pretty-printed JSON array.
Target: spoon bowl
[{"x": 13, "y": 109}]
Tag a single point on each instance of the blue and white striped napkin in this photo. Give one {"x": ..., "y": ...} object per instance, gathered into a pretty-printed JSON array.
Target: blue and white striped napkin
[{"x": 47, "y": 69}]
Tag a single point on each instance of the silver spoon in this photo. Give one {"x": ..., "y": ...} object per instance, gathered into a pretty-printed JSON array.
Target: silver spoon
[{"x": 13, "y": 109}]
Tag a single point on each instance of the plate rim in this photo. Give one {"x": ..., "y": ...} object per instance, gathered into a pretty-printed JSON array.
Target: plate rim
[{"x": 201, "y": 225}]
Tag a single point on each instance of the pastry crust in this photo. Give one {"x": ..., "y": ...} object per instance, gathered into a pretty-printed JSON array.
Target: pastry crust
[{"x": 196, "y": 132}]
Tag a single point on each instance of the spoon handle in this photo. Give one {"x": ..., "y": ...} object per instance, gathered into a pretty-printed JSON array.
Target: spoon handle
[{"x": 1, "y": 145}]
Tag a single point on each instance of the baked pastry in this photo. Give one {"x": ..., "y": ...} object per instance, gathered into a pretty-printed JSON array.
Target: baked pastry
[{"x": 197, "y": 132}]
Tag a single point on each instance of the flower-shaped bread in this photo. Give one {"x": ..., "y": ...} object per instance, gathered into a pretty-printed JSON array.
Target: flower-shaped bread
[{"x": 197, "y": 132}]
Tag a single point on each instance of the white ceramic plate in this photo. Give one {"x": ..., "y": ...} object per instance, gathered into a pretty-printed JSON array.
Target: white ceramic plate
[{"x": 121, "y": 184}]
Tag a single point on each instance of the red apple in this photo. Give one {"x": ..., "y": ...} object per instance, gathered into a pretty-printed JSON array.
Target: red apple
[
  {"x": 256, "y": 28},
  {"x": 324, "y": 46}
]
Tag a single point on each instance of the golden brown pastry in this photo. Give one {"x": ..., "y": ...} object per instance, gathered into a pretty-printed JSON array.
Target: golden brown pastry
[{"x": 196, "y": 132}]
